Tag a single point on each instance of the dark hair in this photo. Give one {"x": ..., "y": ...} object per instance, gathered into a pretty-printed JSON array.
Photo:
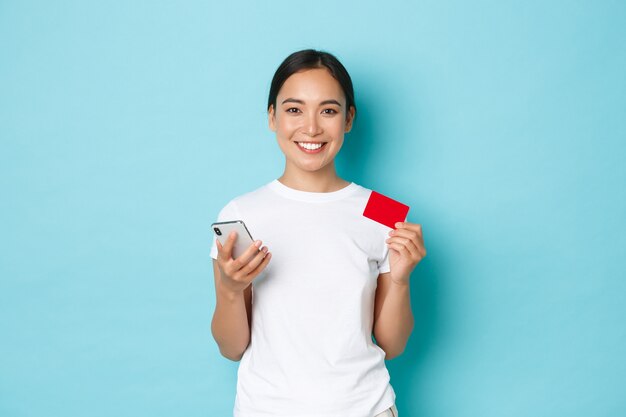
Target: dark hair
[{"x": 310, "y": 59}]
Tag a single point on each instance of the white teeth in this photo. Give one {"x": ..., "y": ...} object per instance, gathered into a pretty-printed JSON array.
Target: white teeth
[{"x": 310, "y": 146}]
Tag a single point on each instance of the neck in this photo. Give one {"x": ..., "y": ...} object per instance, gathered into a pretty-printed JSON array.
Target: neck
[{"x": 315, "y": 182}]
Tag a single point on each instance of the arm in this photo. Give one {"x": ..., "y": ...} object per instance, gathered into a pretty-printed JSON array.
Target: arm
[
  {"x": 393, "y": 318},
  {"x": 232, "y": 319}
]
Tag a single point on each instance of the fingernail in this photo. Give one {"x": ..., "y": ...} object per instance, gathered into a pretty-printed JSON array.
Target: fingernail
[{"x": 257, "y": 243}]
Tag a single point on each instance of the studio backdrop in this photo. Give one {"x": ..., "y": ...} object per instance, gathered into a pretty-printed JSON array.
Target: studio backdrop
[{"x": 125, "y": 126}]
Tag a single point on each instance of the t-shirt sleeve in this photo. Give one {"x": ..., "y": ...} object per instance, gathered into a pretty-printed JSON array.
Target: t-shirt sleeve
[
  {"x": 383, "y": 265},
  {"x": 229, "y": 212}
]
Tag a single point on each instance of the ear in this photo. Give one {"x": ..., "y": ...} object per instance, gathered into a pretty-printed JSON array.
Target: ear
[
  {"x": 350, "y": 119},
  {"x": 271, "y": 118}
]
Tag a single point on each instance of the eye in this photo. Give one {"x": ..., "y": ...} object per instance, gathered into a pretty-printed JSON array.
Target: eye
[
  {"x": 329, "y": 111},
  {"x": 292, "y": 110}
]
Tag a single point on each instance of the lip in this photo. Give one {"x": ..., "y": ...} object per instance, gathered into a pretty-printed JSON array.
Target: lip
[{"x": 311, "y": 151}]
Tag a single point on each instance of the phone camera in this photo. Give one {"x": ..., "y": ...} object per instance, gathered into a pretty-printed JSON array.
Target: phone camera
[{"x": 217, "y": 231}]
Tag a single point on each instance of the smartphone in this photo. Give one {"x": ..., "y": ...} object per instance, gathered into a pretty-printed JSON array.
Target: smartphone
[{"x": 244, "y": 239}]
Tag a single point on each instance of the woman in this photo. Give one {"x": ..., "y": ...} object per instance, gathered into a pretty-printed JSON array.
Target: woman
[{"x": 301, "y": 317}]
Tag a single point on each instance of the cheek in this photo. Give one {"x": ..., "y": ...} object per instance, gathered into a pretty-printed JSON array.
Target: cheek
[
  {"x": 336, "y": 128},
  {"x": 286, "y": 125}
]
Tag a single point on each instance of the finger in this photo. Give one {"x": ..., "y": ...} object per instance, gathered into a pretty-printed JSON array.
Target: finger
[
  {"x": 228, "y": 247},
  {"x": 408, "y": 244},
  {"x": 400, "y": 248},
  {"x": 220, "y": 250},
  {"x": 256, "y": 261},
  {"x": 411, "y": 226},
  {"x": 406, "y": 253},
  {"x": 261, "y": 266},
  {"x": 417, "y": 250},
  {"x": 415, "y": 237},
  {"x": 407, "y": 233},
  {"x": 245, "y": 257}
]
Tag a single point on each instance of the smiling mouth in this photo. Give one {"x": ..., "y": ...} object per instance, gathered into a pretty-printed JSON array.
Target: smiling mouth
[{"x": 311, "y": 147}]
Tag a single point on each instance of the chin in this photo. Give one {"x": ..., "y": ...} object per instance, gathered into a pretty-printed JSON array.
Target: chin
[{"x": 311, "y": 169}]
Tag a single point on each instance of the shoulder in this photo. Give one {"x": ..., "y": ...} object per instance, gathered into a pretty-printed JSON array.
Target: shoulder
[
  {"x": 253, "y": 197},
  {"x": 360, "y": 194},
  {"x": 249, "y": 198},
  {"x": 361, "y": 190}
]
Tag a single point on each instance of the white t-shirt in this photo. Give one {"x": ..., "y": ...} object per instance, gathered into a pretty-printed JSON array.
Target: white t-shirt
[{"x": 311, "y": 352}]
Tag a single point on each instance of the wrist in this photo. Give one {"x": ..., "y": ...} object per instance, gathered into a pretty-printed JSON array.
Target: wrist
[
  {"x": 229, "y": 294},
  {"x": 400, "y": 282}
]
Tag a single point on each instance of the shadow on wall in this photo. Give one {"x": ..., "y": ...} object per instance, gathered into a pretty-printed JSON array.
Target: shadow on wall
[{"x": 360, "y": 161}]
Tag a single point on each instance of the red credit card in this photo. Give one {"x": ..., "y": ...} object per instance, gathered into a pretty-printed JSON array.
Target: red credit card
[{"x": 385, "y": 210}]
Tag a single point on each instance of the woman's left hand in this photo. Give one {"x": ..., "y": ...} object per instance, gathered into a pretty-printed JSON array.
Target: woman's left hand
[{"x": 406, "y": 250}]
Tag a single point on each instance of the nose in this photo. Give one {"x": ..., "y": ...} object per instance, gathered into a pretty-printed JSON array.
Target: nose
[{"x": 312, "y": 126}]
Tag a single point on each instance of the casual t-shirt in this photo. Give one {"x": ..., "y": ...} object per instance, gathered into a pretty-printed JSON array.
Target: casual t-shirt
[{"x": 311, "y": 352}]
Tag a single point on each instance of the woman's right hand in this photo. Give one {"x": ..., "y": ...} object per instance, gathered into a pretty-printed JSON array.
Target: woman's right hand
[{"x": 237, "y": 274}]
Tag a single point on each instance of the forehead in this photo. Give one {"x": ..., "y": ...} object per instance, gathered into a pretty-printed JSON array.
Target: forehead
[{"x": 312, "y": 84}]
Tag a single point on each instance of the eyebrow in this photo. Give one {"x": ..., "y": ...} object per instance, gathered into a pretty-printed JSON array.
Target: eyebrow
[{"x": 295, "y": 100}]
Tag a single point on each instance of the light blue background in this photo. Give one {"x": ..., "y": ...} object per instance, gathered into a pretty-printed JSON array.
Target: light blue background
[{"x": 125, "y": 127}]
